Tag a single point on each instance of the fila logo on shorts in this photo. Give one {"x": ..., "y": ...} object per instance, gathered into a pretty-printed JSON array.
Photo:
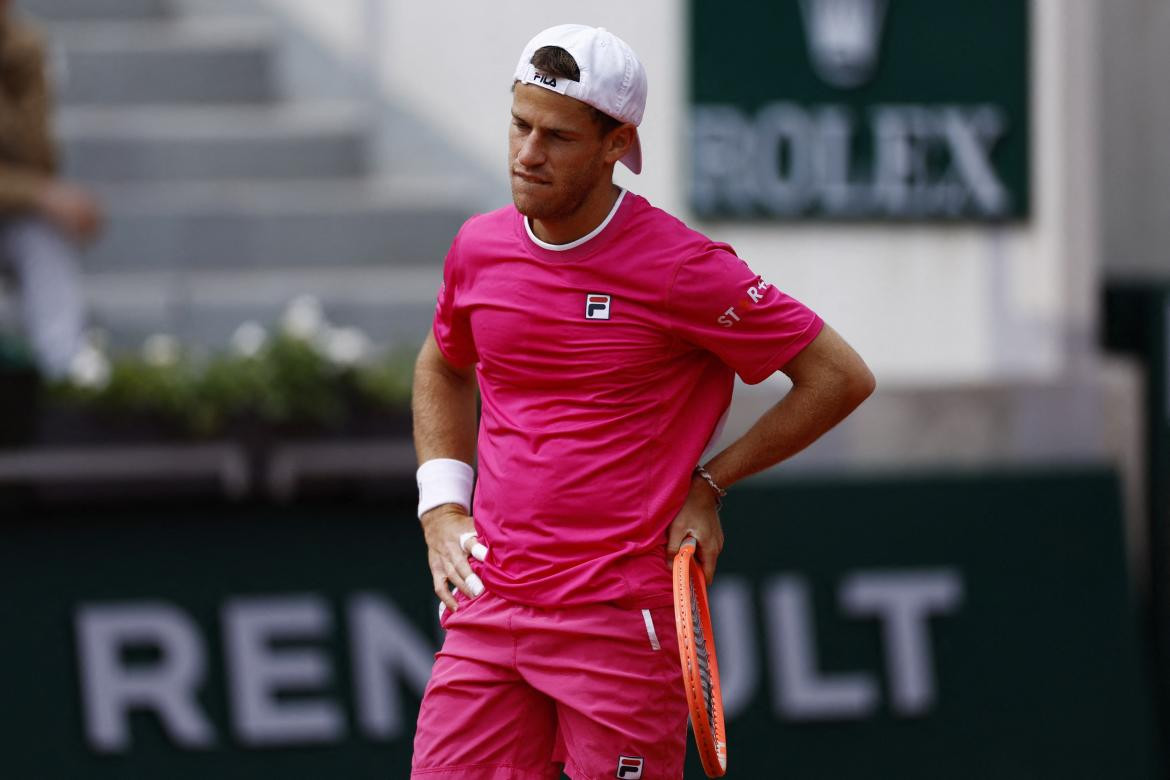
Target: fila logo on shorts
[
  {"x": 596, "y": 306},
  {"x": 629, "y": 768}
]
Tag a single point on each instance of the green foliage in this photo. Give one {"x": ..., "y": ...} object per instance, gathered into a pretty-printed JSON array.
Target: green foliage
[
  {"x": 287, "y": 382},
  {"x": 389, "y": 381}
]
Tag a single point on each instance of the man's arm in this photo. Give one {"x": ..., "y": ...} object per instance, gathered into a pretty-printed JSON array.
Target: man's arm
[
  {"x": 829, "y": 380},
  {"x": 443, "y": 403}
]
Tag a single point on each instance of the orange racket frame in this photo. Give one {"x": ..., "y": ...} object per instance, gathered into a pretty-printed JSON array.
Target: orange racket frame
[{"x": 712, "y": 746}]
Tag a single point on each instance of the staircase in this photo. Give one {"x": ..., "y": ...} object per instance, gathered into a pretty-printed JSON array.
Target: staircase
[{"x": 226, "y": 196}]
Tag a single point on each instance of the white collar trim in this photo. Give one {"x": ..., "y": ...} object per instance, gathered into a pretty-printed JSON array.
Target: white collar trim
[{"x": 574, "y": 244}]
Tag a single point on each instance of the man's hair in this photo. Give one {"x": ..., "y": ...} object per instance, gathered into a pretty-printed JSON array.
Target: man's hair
[{"x": 556, "y": 62}]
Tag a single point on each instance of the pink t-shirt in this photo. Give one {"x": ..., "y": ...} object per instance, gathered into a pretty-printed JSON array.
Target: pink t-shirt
[{"x": 604, "y": 369}]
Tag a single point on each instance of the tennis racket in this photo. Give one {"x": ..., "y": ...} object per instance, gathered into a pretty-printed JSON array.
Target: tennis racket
[{"x": 696, "y": 649}]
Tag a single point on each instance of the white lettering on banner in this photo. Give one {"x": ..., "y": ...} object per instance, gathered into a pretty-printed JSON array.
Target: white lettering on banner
[
  {"x": 258, "y": 672},
  {"x": 385, "y": 649},
  {"x": 904, "y": 602},
  {"x": 799, "y": 690},
  {"x": 269, "y": 652},
  {"x": 739, "y": 669},
  {"x": 787, "y": 159},
  {"x": 168, "y": 687}
]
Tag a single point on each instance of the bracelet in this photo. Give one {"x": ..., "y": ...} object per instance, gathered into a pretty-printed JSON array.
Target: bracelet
[
  {"x": 719, "y": 492},
  {"x": 444, "y": 481}
]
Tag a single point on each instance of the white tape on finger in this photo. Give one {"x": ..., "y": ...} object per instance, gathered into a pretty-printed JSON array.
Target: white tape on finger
[{"x": 477, "y": 550}]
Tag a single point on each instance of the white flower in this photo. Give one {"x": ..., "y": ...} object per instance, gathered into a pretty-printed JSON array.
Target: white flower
[
  {"x": 249, "y": 339},
  {"x": 161, "y": 349},
  {"x": 303, "y": 318},
  {"x": 346, "y": 346},
  {"x": 90, "y": 368}
]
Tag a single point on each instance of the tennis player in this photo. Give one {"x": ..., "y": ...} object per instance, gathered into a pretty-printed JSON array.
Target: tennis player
[{"x": 604, "y": 336}]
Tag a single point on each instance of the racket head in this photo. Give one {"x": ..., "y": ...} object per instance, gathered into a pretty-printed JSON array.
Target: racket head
[{"x": 700, "y": 667}]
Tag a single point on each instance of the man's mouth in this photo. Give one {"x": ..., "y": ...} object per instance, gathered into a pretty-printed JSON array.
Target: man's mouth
[{"x": 529, "y": 178}]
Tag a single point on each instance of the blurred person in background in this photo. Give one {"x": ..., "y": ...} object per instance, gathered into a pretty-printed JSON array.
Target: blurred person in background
[{"x": 44, "y": 221}]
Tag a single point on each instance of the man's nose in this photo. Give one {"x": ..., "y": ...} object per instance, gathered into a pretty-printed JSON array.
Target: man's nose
[{"x": 531, "y": 152}]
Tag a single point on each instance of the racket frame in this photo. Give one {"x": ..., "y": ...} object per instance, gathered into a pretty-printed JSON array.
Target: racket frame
[{"x": 711, "y": 744}]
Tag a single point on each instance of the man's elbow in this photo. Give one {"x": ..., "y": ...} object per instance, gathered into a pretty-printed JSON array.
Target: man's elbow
[
  {"x": 866, "y": 383},
  {"x": 859, "y": 385}
]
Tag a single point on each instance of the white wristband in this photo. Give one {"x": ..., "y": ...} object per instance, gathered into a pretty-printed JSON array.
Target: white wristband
[{"x": 444, "y": 481}]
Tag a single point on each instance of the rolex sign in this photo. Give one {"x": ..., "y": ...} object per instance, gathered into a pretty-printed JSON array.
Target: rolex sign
[{"x": 860, "y": 109}]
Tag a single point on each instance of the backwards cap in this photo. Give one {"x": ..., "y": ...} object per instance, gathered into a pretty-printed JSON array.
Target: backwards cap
[{"x": 612, "y": 79}]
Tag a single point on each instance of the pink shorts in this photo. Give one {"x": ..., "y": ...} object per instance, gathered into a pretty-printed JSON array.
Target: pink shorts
[{"x": 518, "y": 692}]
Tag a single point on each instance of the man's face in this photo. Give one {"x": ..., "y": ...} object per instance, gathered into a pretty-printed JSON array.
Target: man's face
[{"x": 556, "y": 152}]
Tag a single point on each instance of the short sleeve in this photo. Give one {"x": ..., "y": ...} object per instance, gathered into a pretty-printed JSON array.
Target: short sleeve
[
  {"x": 452, "y": 325},
  {"x": 718, "y": 303}
]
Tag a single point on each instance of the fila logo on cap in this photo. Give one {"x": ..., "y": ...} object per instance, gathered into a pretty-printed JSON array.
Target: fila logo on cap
[
  {"x": 597, "y": 308},
  {"x": 534, "y": 76},
  {"x": 629, "y": 767}
]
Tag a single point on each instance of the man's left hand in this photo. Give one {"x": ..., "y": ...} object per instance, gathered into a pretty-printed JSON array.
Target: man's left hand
[{"x": 698, "y": 518}]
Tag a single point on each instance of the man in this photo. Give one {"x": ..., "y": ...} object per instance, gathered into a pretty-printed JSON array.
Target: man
[
  {"x": 605, "y": 336},
  {"x": 43, "y": 220}
]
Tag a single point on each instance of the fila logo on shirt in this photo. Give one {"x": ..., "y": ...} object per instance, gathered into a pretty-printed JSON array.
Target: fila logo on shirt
[
  {"x": 753, "y": 294},
  {"x": 629, "y": 767},
  {"x": 597, "y": 306}
]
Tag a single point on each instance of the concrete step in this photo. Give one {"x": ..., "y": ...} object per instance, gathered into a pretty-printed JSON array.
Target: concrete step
[
  {"x": 184, "y": 142},
  {"x": 392, "y": 305},
  {"x": 52, "y": 10},
  {"x": 201, "y": 60},
  {"x": 258, "y": 224}
]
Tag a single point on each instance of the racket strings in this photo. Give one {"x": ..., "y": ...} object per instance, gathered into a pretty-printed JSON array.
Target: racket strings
[{"x": 704, "y": 662}]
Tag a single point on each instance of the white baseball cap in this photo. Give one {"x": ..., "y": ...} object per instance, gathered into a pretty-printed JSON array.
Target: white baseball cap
[{"x": 612, "y": 79}]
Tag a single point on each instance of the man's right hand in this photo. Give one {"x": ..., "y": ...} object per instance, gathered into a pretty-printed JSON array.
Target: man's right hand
[
  {"x": 72, "y": 209},
  {"x": 444, "y": 527}
]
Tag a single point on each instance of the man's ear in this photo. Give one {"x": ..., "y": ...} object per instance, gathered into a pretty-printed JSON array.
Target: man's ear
[{"x": 619, "y": 141}]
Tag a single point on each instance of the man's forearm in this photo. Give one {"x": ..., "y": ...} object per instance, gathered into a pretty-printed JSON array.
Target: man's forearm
[
  {"x": 798, "y": 420},
  {"x": 830, "y": 380},
  {"x": 443, "y": 403}
]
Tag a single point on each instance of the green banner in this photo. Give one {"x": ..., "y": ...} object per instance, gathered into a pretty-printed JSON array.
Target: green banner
[
  {"x": 949, "y": 627},
  {"x": 860, "y": 109}
]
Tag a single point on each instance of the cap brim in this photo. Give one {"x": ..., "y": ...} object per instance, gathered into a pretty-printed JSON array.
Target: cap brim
[{"x": 633, "y": 158}]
